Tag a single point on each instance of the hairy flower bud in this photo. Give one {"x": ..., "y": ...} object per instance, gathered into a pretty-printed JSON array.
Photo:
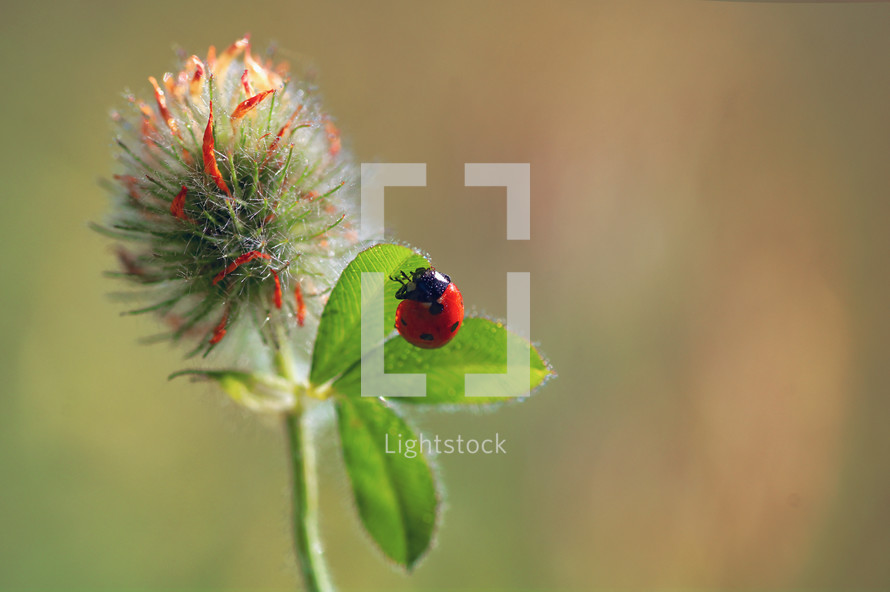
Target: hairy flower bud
[{"x": 233, "y": 200}]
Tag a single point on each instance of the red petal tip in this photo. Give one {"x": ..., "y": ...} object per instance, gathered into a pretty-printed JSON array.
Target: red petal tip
[
  {"x": 207, "y": 149},
  {"x": 301, "y": 305},
  {"x": 277, "y": 294},
  {"x": 248, "y": 105}
]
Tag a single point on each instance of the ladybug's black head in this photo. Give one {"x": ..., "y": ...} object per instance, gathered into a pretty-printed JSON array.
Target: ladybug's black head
[{"x": 425, "y": 284}]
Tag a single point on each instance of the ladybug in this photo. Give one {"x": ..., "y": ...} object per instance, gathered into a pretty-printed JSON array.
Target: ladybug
[{"x": 432, "y": 309}]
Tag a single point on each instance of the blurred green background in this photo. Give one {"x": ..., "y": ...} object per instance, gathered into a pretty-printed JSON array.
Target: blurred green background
[{"x": 709, "y": 263}]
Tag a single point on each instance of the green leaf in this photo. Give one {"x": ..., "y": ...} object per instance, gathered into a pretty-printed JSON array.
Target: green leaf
[
  {"x": 338, "y": 343},
  {"x": 480, "y": 347},
  {"x": 395, "y": 495},
  {"x": 260, "y": 392}
]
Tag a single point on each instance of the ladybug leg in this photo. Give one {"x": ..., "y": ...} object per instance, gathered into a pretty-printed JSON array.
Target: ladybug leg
[
  {"x": 405, "y": 281},
  {"x": 402, "y": 279}
]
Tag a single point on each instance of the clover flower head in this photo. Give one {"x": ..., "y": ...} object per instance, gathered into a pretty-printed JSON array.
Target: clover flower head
[{"x": 233, "y": 200}]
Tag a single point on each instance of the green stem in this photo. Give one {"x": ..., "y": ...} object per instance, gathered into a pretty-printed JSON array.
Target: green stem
[
  {"x": 305, "y": 496},
  {"x": 307, "y": 542}
]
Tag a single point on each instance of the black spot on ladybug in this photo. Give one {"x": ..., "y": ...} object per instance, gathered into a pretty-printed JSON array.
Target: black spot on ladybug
[
  {"x": 404, "y": 322},
  {"x": 436, "y": 308},
  {"x": 454, "y": 326},
  {"x": 426, "y": 337}
]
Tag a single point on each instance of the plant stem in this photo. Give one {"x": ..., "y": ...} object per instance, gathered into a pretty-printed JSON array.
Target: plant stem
[
  {"x": 307, "y": 542},
  {"x": 305, "y": 499}
]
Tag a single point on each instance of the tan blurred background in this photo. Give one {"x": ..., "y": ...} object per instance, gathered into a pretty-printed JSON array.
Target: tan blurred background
[{"x": 709, "y": 262}]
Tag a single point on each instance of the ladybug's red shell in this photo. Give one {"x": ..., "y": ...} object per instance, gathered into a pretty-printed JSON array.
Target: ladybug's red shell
[{"x": 420, "y": 327}]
